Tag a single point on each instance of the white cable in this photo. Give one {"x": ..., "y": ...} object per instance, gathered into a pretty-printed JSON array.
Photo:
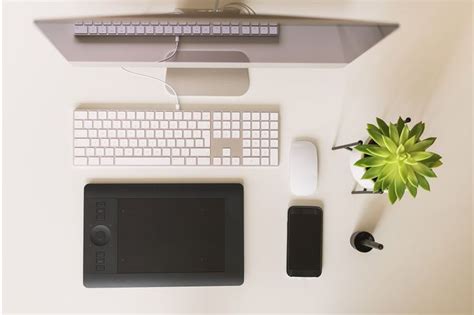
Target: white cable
[
  {"x": 173, "y": 53},
  {"x": 178, "y": 106},
  {"x": 241, "y": 5}
]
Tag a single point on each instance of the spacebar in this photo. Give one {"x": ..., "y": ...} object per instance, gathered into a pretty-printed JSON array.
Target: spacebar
[{"x": 143, "y": 161}]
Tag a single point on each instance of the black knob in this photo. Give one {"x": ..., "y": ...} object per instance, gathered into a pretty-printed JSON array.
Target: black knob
[
  {"x": 364, "y": 242},
  {"x": 100, "y": 235}
]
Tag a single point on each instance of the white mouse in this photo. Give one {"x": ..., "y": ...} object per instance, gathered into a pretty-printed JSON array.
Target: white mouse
[{"x": 303, "y": 168}]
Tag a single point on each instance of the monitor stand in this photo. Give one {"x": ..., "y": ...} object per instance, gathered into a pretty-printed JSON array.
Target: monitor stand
[{"x": 209, "y": 81}]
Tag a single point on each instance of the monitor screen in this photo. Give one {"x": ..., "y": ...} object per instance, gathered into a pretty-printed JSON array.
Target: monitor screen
[{"x": 171, "y": 235}]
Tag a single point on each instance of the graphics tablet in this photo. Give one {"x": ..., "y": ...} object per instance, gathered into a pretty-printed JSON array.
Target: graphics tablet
[{"x": 142, "y": 235}]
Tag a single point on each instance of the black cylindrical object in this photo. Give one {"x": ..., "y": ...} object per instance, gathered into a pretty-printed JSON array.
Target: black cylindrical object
[{"x": 364, "y": 242}]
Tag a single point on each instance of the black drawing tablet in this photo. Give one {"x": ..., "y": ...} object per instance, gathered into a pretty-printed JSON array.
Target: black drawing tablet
[{"x": 138, "y": 235}]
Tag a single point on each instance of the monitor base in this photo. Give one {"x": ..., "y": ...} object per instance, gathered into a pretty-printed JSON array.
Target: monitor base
[{"x": 208, "y": 81}]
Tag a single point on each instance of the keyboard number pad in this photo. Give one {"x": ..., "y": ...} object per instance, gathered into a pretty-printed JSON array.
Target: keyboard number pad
[{"x": 258, "y": 132}]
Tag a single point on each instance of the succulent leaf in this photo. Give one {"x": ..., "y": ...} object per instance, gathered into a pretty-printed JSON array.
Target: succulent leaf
[
  {"x": 417, "y": 131},
  {"x": 372, "y": 172},
  {"x": 423, "y": 182},
  {"x": 421, "y": 155},
  {"x": 375, "y": 134},
  {"x": 404, "y": 135},
  {"x": 411, "y": 177},
  {"x": 392, "y": 196},
  {"x": 383, "y": 127},
  {"x": 370, "y": 162},
  {"x": 434, "y": 164},
  {"x": 422, "y": 145},
  {"x": 400, "y": 124},
  {"x": 424, "y": 170},
  {"x": 403, "y": 172},
  {"x": 394, "y": 136},
  {"x": 434, "y": 157},
  {"x": 412, "y": 189},
  {"x": 400, "y": 187},
  {"x": 389, "y": 144},
  {"x": 364, "y": 148},
  {"x": 378, "y": 185},
  {"x": 378, "y": 151},
  {"x": 410, "y": 142}
]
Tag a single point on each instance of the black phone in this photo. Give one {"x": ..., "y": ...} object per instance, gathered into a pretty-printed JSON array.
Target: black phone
[{"x": 304, "y": 245}]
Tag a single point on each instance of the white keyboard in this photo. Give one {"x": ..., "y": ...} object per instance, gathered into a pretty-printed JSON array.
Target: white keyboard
[
  {"x": 175, "y": 138},
  {"x": 147, "y": 27}
]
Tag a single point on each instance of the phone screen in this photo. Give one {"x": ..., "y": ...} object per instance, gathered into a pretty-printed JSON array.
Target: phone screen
[{"x": 304, "y": 248}]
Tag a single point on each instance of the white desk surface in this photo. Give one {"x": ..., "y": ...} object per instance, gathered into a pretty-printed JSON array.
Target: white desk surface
[{"x": 422, "y": 71}]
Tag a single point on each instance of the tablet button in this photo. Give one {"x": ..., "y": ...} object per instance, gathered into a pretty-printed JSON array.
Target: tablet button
[{"x": 100, "y": 235}]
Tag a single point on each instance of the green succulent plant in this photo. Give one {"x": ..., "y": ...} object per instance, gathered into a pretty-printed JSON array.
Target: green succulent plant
[{"x": 397, "y": 159}]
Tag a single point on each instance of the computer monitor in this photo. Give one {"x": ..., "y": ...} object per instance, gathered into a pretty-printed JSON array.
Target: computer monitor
[{"x": 300, "y": 41}]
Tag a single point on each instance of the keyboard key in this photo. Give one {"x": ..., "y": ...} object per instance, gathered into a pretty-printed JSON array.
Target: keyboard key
[
  {"x": 204, "y": 161},
  {"x": 191, "y": 161},
  {"x": 78, "y": 124},
  {"x": 215, "y": 116},
  {"x": 80, "y": 133},
  {"x": 143, "y": 161},
  {"x": 175, "y": 152},
  {"x": 94, "y": 161},
  {"x": 250, "y": 161},
  {"x": 80, "y": 115},
  {"x": 177, "y": 161},
  {"x": 80, "y": 161},
  {"x": 226, "y": 152},
  {"x": 106, "y": 161},
  {"x": 274, "y": 157},
  {"x": 79, "y": 152},
  {"x": 200, "y": 152},
  {"x": 81, "y": 142},
  {"x": 204, "y": 125}
]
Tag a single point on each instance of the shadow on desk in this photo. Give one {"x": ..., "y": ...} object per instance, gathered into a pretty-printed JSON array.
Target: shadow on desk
[
  {"x": 372, "y": 214},
  {"x": 171, "y": 180}
]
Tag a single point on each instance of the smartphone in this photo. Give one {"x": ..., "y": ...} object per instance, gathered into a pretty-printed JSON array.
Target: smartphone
[{"x": 304, "y": 244}]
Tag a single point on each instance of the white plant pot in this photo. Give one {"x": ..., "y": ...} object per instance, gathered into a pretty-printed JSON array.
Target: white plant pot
[{"x": 358, "y": 172}]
